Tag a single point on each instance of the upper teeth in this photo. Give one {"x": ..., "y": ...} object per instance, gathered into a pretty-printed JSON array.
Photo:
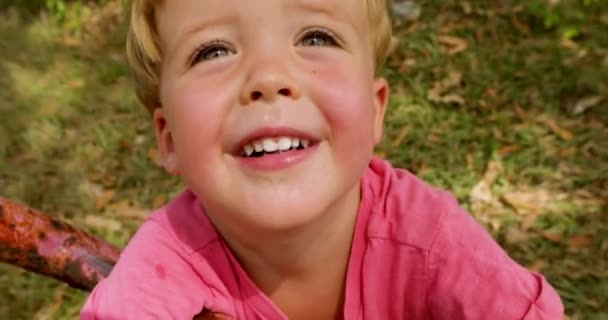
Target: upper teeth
[{"x": 274, "y": 144}]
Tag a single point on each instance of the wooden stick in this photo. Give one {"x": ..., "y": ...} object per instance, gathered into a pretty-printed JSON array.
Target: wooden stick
[{"x": 40, "y": 243}]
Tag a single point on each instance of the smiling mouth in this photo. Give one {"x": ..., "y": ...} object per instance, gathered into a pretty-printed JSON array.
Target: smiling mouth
[{"x": 276, "y": 145}]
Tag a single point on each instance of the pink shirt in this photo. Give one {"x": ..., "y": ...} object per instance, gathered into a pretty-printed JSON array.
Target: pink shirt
[{"x": 415, "y": 255}]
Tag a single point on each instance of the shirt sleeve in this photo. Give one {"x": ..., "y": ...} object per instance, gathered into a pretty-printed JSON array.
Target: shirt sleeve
[
  {"x": 471, "y": 277},
  {"x": 152, "y": 280}
]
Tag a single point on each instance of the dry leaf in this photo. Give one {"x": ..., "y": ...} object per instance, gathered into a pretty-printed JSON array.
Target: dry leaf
[
  {"x": 493, "y": 169},
  {"x": 561, "y": 132},
  {"x": 482, "y": 191},
  {"x": 552, "y": 236},
  {"x": 434, "y": 94},
  {"x": 495, "y": 224},
  {"x": 537, "y": 265},
  {"x": 528, "y": 221},
  {"x": 440, "y": 89},
  {"x": 586, "y": 103},
  {"x": 125, "y": 209},
  {"x": 406, "y": 65},
  {"x": 508, "y": 150},
  {"x": 134, "y": 213},
  {"x": 140, "y": 139},
  {"x": 454, "y": 79},
  {"x": 531, "y": 201},
  {"x": 469, "y": 158},
  {"x": 520, "y": 26},
  {"x": 521, "y": 114},
  {"x": 91, "y": 189},
  {"x": 594, "y": 303},
  {"x": 76, "y": 84},
  {"x": 492, "y": 93},
  {"x": 454, "y": 45},
  {"x": 433, "y": 137},
  {"x": 105, "y": 198},
  {"x": 70, "y": 41},
  {"x": 452, "y": 99},
  {"x": 98, "y": 194},
  {"x": 515, "y": 235},
  {"x": 581, "y": 241},
  {"x": 568, "y": 152},
  {"x": 569, "y": 43},
  {"x": 405, "y": 131},
  {"x": 583, "y": 193},
  {"x": 159, "y": 201},
  {"x": 103, "y": 223}
]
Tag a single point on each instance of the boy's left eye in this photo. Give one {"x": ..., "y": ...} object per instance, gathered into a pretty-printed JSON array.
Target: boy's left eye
[{"x": 319, "y": 38}]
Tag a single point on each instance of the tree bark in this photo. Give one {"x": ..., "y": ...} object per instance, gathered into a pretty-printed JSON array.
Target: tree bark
[{"x": 40, "y": 243}]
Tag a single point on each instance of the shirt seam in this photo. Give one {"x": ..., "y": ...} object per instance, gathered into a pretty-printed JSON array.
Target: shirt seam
[
  {"x": 427, "y": 262},
  {"x": 426, "y": 250},
  {"x": 398, "y": 242}
]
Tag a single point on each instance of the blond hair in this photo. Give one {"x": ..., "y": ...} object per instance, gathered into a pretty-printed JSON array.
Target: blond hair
[{"x": 144, "y": 53}]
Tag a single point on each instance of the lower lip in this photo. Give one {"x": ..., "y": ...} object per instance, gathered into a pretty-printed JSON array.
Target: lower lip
[{"x": 278, "y": 161}]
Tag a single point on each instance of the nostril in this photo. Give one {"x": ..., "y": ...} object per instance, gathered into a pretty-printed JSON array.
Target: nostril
[{"x": 256, "y": 95}]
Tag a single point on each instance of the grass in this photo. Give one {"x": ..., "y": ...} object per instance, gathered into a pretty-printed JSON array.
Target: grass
[{"x": 478, "y": 90}]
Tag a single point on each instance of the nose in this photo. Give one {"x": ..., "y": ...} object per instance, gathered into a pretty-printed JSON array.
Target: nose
[{"x": 268, "y": 82}]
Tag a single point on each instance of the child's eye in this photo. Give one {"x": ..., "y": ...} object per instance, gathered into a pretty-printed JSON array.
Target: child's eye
[
  {"x": 319, "y": 38},
  {"x": 211, "y": 51}
]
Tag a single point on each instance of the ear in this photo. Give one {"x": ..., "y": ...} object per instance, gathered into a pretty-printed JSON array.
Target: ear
[
  {"x": 381, "y": 96},
  {"x": 164, "y": 140}
]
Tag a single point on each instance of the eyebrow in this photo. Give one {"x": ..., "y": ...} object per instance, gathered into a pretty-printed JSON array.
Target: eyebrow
[{"x": 183, "y": 35}]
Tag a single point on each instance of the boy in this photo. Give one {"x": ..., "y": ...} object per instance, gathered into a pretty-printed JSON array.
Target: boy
[{"x": 270, "y": 110}]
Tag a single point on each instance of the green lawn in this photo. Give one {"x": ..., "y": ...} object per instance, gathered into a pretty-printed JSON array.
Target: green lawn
[{"x": 506, "y": 106}]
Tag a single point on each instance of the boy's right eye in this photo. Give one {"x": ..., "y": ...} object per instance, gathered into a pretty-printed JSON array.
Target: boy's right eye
[{"x": 211, "y": 51}]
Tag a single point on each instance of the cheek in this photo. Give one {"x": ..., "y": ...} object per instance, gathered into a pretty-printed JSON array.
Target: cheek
[
  {"x": 195, "y": 119},
  {"x": 345, "y": 97}
]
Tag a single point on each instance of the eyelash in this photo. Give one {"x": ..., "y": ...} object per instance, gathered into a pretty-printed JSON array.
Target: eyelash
[
  {"x": 334, "y": 41},
  {"x": 206, "y": 48}
]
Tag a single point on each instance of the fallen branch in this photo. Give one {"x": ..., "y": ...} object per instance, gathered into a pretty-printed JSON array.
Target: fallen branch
[{"x": 40, "y": 243}]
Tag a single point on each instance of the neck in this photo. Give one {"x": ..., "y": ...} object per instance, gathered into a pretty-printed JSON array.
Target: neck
[
  {"x": 295, "y": 252},
  {"x": 311, "y": 259}
]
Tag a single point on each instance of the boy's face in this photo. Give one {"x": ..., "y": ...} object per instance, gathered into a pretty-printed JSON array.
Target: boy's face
[{"x": 239, "y": 75}]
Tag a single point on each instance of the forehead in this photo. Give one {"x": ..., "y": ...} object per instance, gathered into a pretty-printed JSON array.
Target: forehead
[
  {"x": 182, "y": 16},
  {"x": 344, "y": 7}
]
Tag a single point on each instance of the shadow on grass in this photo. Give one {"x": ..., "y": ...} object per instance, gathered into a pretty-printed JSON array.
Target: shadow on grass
[
  {"x": 23, "y": 294},
  {"x": 64, "y": 136},
  {"x": 28, "y": 9}
]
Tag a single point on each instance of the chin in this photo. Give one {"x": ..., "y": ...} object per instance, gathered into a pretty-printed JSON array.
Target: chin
[
  {"x": 286, "y": 211},
  {"x": 281, "y": 200}
]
